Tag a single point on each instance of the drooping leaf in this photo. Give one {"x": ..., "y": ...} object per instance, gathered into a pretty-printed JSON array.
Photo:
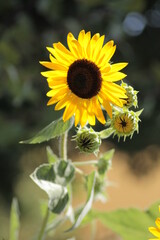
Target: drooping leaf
[
  {"x": 54, "y": 129},
  {"x": 52, "y": 158},
  {"x": 53, "y": 179},
  {"x": 87, "y": 207},
  {"x": 130, "y": 224},
  {"x": 14, "y": 221}
]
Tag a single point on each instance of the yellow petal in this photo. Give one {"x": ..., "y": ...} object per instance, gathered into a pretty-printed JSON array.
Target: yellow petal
[
  {"x": 117, "y": 92},
  {"x": 81, "y": 37},
  {"x": 155, "y": 231},
  {"x": 52, "y": 101},
  {"x": 118, "y": 66},
  {"x": 111, "y": 98},
  {"x": 77, "y": 116},
  {"x": 63, "y": 58},
  {"x": 91, "y": 119},
  {"x": 103, "y": 52},
  {"x": 63, "y": 49},
  {"x": 113, "y": 77},
  {"x": 107, "y": 107},
  {"x": 71, "y": 45},
  {"x": 56, "y": 81},
  {"x": 158, "y": 223},
  {"x": 55, "y": 73},
  {"x": 83, "y": 117},
  {"x": 54, "y": 66},
  {"x": 98, "y": 47},
  {"x": 69, "y": 111},
  {"x": 98, "y": 111},
  {"x": 62, "y": 103},
  {"x": 55, "y": 92}
]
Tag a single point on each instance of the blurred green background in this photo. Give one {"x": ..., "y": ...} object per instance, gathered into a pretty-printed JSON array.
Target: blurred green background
[{"x": 26, "y": 28}]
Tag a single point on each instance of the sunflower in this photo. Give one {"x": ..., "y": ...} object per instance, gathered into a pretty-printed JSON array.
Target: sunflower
[
  {"x": 155, "y": 230},
  {"x": 82, "y": 79}
]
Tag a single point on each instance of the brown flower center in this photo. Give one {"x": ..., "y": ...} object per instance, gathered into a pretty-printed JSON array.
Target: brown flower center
[{"x": 84, "y": 79}]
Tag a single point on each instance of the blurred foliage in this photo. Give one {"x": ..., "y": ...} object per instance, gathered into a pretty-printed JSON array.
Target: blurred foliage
[{"x": 26, "y": 27}]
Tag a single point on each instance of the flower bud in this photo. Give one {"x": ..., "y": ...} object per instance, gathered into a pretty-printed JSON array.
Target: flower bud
[
  {"x": 125, "y": 123},
  {"x": 88, "y": 140},
  {"x": 131, "y": 94}
]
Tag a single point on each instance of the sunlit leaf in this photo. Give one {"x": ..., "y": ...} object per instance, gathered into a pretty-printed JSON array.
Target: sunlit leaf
[
  {"x": 53, "y": 179},
  {"x": 130, "y": 223},
  {"x": 54, "y": 129}
]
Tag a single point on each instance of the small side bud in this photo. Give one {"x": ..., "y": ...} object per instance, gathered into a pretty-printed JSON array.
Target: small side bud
[
  {"x": 88, "y": 140},
  {"x": 125, "y": 123},
  {"x": 131, "y": 94}
]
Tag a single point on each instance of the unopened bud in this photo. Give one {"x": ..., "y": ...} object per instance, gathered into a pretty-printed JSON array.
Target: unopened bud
[
  {"x": 88, "y": 140},
  {"x": 131, "y": 94}
]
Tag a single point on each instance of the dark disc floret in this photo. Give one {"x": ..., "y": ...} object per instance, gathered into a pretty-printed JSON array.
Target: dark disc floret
[{"x": 84, "y": 79}]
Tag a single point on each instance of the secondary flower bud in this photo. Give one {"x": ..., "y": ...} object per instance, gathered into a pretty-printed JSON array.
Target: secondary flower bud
[
  {"x": 125, "y": 123},
  {"x": 131, "y": 94},
  {"x": 88, "y": 140}
]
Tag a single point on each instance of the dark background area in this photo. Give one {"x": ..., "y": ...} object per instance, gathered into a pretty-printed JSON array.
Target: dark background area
[{"x": 27, "y": 27}]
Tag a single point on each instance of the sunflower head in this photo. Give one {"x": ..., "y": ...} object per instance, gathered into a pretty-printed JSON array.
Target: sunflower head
[
  {"x": 131, "y": 96},
  {"x": 125, "y": 123},
  {"x": 82, "y": 79}
]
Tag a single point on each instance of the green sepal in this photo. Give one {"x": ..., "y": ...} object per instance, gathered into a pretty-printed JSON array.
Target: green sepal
[
  {"x": 138, "y": 113},
  {"x": 106, "y": 133},
  {"x": 54, "y": 129},
  {"x": 14, "y": 220},
  {"x": 53, "y": 179}
]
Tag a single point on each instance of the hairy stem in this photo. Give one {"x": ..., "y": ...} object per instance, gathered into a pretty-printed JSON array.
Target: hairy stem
[
  {"x": 42, "y": 231},
  {"x": 63, "y": 146},
  {"x": 91, "y": 162}
]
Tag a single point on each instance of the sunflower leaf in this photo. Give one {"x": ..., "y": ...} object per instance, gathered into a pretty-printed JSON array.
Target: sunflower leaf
[
  {"x": 54, "y": 129},
  {"x": 53, "y": 179},
  {"x": 87, "y": 207},
  {"x": 130, "y": 223},
  {"x": 14, "y": 221}
]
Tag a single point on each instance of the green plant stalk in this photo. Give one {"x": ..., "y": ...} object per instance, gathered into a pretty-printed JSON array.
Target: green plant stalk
[
  {"x": 83, "y": 163},
  {"x": 63, "y": 146},
  {"x": 42, "y": 231}
]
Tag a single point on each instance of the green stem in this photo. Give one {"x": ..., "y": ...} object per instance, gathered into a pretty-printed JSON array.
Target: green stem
[
  {"x": 63, "y": 146},
  {"x": 42, "y": 231},
  {"x": 91, "y": 162}
]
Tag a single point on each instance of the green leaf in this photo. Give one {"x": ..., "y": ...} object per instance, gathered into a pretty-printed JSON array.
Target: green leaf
[
  {"x": 53, "y": 179},
  {"x": 14, "y": 221},
  {"x": 52, "y": 158},
  {"x": 54, "y": 129},
  {"x": 130, "y": 224},
  {"x": 105, "y": 161},
  {"x": 87, "y": 207},
  {"x": 106, "y": 133}
]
